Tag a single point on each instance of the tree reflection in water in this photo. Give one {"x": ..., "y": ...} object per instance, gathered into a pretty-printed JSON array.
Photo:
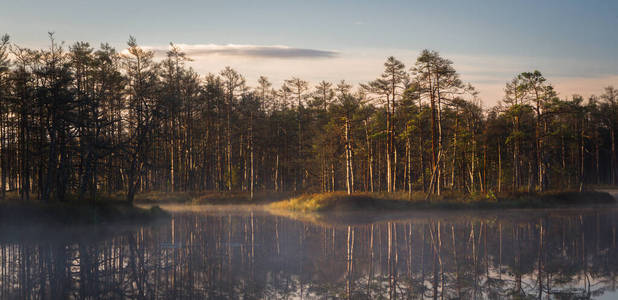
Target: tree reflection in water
[{"x": 252, "y": 254}]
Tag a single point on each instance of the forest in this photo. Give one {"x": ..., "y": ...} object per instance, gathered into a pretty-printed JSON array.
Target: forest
[{"x": 86, "y": 122}]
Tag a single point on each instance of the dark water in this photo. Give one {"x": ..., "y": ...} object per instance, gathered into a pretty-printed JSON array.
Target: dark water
[{"x": 249, "y": 253}]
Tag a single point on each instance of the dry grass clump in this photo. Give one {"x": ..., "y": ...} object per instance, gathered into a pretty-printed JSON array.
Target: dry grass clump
[{"x": 343, "y": 201}]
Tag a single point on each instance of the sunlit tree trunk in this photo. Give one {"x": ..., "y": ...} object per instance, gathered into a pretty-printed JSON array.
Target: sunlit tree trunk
[
  {"x": 348, "y": 154},
  {"x": 369, "y": 156}
]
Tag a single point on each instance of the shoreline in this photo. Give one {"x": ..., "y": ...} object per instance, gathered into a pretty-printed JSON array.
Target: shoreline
[
  {"x": 75, "y": 213},
  {"x": 340, "y": 201},
  {"x": 146, "y": 208}
]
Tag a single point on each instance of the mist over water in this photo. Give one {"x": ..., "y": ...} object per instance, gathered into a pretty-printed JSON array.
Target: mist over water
[{"x": 251, "y": 253}]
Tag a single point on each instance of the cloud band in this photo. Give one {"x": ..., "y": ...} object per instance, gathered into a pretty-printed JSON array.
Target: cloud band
[{"x": 256, "y": 51}]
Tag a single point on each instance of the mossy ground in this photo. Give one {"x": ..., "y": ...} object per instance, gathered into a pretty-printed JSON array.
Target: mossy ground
[
  {"x": 341, "y": 201},
  {"x": 209, "y": 197}
]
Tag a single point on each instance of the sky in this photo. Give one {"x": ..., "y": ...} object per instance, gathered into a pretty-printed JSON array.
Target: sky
[{"x": 573, "y": 43}]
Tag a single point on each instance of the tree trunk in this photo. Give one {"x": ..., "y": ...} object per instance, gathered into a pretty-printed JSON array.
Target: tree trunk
[
  {"x": 499, "y": 169},
  {"x": 581, "y": 158},
  {"x": 172, "y": 150},
  {"x": 251, "y": 147},
  {"x": 389, "y": 171},
  {"x": 332, "y": 177},
  {"x": 409, "y": 168},
  {"x": 613, "y": 155},
  {"x": 348, "y": 156},
  {"x": 369, "y": 156},
  {"x": 277, "y": 172}
]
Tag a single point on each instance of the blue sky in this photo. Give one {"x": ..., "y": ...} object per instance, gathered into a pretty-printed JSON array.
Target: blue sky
[{"x": 574, "y": 43}]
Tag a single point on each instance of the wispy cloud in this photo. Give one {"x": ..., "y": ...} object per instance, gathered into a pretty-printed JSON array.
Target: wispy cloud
[{"x": 256, "y": 51}]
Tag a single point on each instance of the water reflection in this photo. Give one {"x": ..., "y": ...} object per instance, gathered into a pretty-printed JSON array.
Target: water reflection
[{"x": 252, "y": 254}]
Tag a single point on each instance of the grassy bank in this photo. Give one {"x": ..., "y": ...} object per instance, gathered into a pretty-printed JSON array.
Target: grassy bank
[
  {"x": 340, "y": 201},
  {"x": 73, "y": 212}
]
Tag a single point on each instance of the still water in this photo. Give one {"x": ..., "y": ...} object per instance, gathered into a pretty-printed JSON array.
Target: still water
[{"x": 250, "y": 253}]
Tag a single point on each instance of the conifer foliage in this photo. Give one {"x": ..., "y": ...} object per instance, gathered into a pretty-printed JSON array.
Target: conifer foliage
[{"x": 82, "y": 121}]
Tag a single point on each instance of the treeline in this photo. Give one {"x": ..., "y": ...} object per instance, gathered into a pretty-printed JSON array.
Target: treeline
[{"x": 82, "y": 121}]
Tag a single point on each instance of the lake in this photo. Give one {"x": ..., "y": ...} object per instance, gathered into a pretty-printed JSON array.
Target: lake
[{"x": 251, "y": 253}]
